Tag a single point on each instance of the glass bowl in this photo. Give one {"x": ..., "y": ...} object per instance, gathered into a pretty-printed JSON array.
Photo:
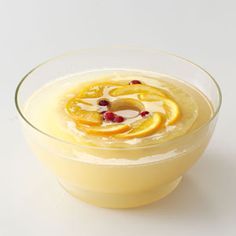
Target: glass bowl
[{"x": 118, "y": 177}]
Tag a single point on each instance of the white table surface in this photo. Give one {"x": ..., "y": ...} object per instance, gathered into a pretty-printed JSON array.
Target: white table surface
[{"x": 31, "y": 201}]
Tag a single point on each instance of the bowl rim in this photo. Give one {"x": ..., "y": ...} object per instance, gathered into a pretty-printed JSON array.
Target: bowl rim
[{"x": 21, "y": 82}]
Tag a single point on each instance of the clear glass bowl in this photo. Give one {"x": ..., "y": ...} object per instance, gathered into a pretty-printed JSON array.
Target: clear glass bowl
[{"x": 118, "y": 177}]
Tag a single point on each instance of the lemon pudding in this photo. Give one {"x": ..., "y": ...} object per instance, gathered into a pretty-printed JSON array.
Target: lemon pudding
[{"x": 114, "y": 125}]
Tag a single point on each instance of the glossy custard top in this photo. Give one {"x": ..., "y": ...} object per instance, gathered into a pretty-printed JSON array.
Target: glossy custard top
[{"x": 116, "y": 108}]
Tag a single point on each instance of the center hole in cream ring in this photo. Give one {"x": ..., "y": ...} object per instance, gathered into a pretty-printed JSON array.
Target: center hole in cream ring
[{"x": 127, "y": 107}]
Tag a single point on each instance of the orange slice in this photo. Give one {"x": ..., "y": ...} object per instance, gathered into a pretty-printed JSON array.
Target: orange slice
[
  {"x": 80, "y": 115},
  {"x": 72, "y": 106},
  {"x": 95, "y": 90},
  {"x": 135, "y": 88},
  {"x": 171, "y": 107},
  {"x": 92, "y": 118},
  {"x": 145, "y": 128},
  {"x": 173, "y": 111},
  {"x": 108, "y": 130}
]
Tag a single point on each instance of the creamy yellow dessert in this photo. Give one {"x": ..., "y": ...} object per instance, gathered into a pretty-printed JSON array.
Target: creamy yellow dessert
[{"x": 120, "y": 129}]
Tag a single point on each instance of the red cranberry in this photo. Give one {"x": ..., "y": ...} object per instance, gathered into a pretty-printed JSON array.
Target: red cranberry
[
  {"x": 144, "y": 113},
  {"x": 135, "y": 82},
  {"x": 103, "y": 102},
  {"x": 119, "y": 119},
  {"x": 109, "y": 116}
]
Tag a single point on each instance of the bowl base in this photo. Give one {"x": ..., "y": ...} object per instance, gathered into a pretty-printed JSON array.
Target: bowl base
[{"x": 112, "y": 200}]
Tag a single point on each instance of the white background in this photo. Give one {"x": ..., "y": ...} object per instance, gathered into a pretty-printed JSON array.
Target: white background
[{"x": 31, "y": 201}]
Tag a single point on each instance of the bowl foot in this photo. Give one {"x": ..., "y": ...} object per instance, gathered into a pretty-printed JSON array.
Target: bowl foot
[{"x": 113, "y": 200}]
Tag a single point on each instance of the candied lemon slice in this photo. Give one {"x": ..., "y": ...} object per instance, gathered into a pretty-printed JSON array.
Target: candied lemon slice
[
  {"x": 92, "y": 118},
  {"x": 145, "y": 128},
  {"x": 95, "y": 90},
  {"x": 80, "y": 115},
  {"x": 135, "y": 88},
  {"x": 172, "y": 109},
  {"x": 108, "y": 130},
  {"x": 73, "y": 107}
]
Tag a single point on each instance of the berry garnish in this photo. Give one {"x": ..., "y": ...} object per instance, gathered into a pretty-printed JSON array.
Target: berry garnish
[
  {"x": 119, "y": 119},
  {"x": 144, "y": 113},
  {"x": 102, "y": 112},
  {"x": 103, "y": 102},
  {"x": 109, "y": 116},
  {"x": 135, "y": 82}
]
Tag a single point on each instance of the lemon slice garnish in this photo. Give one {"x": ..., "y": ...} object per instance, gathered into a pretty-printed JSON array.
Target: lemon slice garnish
[{"x": 147, "y": 127}]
